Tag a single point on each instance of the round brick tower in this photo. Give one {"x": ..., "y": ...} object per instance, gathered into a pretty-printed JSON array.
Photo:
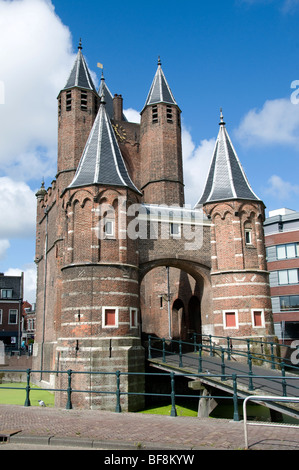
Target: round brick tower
[
  {"x": 99, "y": 324},
  {"x": 241, "y": 292}
]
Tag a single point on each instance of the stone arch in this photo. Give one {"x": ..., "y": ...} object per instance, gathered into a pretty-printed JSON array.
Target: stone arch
[{"x": 157, "y": 304}]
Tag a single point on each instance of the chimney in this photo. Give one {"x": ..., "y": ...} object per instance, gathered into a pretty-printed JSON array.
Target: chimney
[{"x": 117, "y": 107}]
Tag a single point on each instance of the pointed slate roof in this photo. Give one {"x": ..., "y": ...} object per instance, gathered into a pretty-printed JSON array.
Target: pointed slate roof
[
  {"x": 226, "y": 178},
  {"x": 80, "y": 75},
  {"x": 102, "y": 162},
  {"x": 160, "y": 91}
]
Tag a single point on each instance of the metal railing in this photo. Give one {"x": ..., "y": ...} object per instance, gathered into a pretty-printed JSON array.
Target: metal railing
[
  {"x": 264, "y": 398},
  {"x": 213, "y": 349},
  {"x": 117, "y": 390}
]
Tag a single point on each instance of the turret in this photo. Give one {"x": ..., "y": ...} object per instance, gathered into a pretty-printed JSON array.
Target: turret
[
  {"x": 161, "y": 147},
  {"x": 77, "y": 109},
  {"x": 241, "y": 293}
]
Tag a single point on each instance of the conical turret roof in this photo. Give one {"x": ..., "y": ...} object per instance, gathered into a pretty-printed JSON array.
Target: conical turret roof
[
  {"x": 160, "y": 91},
  {"x": 102, "y": 162},
  {"x": 226, "y": 178},
  {"x": 80, "y": 75}
]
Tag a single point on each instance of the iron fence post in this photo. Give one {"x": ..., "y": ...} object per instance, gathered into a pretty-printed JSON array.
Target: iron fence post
[
  {"x": 69, "y": 405},
  {"x": 222, "y": 365},
  {"x": 173, "y": 408},
  {"x": 118, "y": 407},
  {"x": 235, "y": 398},
  {"x": 284, "y": 382},
  {"x": 149, "y": 347},
  {"x": 27, "y": 400},
  {"x": 250, "y": 385},
  {"x": 228, "y": 347},
  {"x": 194, "y": 341},
  {"x": 199, "y": 358},
  {"x": 248, "y": 350},
  {"x": 272, "y": 356}
]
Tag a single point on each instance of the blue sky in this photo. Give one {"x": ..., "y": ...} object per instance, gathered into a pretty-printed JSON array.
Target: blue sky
[{"x": 241, "y": 55}]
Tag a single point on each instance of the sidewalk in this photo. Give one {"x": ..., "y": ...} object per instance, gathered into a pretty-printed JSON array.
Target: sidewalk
[{"x": 131, "y": 431}]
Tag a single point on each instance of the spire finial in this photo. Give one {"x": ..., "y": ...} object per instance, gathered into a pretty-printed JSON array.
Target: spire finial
[
  {"x": 221, "y": 123},
  {"x": 80, "y": 44},
  {"x": 159, "y": 60}
]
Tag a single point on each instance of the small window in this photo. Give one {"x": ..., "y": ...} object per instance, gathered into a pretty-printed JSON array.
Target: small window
[
  {"x": 230, "y": 319},
  {"x": 13, "y": 317},
  {"x": 59, "y": 107},
  {"x": 110, "y": 317},
  {"x": 1, "y": 316},
  {"x": 248, "y": 236},
  {"x": 68, "y": 101},
  {"x": 6, "y": 293},
  {"x": 109, "y": 228},
  {"x": 133, "y": 317},
  {"x": 175, "y": 230},
  {"x": 155, "y": 114},
  {"x": 257, "y": 318}
]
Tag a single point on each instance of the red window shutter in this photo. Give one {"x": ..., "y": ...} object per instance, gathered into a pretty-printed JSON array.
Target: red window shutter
[
  {"x": 257, "y": 318},
  {"x": 230, "y": 319},
  {"x": 110, "y": 317}
]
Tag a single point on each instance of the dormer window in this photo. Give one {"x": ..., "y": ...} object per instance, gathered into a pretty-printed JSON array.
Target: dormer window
[{"x": 6, "y": 293}]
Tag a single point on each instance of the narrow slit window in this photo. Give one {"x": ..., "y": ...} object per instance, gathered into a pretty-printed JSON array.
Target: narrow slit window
[
  {"x": 248, "y": 236},
  {"x": 155, "y": 114},
  {"x": 68, "y": 101},
  {"x": 84, "y": 100},
  {"x": 169, "y": 113}
]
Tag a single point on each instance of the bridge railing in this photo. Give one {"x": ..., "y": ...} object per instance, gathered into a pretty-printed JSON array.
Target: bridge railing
[
  {"x": 263, "y": 351},
  {"x": 166, "y": 350},
  {"x": 119, "y": 389},
  {"x": 211, "y": 348}
]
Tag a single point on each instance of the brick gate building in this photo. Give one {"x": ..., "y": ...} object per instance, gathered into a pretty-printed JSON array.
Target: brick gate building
[{"x": 119, "y": 256}]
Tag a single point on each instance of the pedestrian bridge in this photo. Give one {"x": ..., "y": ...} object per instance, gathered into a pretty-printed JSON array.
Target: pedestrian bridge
[{"x": 254, "y": 368}]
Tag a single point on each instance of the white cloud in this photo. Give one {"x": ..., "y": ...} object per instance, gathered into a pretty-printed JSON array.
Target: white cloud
[
  {"x": 276, "y": 123},
  {"x": 17, "y": 209},
  {"x": 280, "y": 189},
  {"x": 132, "y": 115},
  {"x": 36, "y": 57},
  {"x": 29, "y": 280},
  {"x": 196, "y": 165}
]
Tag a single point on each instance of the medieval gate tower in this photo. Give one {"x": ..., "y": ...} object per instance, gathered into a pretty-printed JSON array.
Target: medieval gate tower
[{"x": 113, "y": 256}]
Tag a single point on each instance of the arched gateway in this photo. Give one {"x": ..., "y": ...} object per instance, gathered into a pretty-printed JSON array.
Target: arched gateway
[{"x": 118, "y": 254}]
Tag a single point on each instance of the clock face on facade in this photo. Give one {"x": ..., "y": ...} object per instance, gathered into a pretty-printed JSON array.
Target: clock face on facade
[{"x": 120, "y": 132}]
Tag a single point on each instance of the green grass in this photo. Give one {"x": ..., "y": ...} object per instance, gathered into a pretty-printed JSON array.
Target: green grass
[
  {"x": 166, "y": 410},
  {"x": 17, "y": 396}
]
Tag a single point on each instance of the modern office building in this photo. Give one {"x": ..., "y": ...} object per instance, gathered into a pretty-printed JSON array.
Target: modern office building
[{"x": 282, "y": 246}]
